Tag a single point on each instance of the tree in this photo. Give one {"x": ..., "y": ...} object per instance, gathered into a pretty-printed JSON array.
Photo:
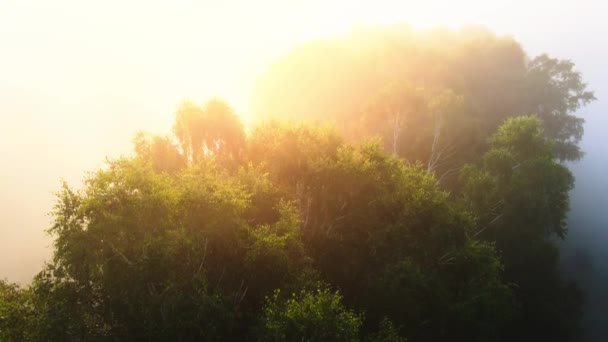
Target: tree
[
  {"x": 167, "y": 255},
  {"x": 151, "y": 250},
  {"x": 224, "y": 130},
  {"x": 212, "y": 234},
  {"x": 160, "y": 152},
  {"x": 211, "y": 130},
  {"x": 520, "y": 197},
  {"x": 316, "y": 315},
  {"x": 422, "y": 125},
  {"x": 393, "y": 113},
  {"x": 375, "y": 75},
  {"x": 372, "y": 225},
  {"x": 189, "y": 129},
  {"x": 555, "y": 91},
  {"x": 155, "y": 249},
  {"x": 15, "y": 312},
  {"x": 387, "y": 332},
  {"x": 520, "y": 181}
]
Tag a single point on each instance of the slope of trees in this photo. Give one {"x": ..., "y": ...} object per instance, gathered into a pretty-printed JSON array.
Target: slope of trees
[
  {"x": 492, "y": 76},
  {"x": 429, "y": 213}
]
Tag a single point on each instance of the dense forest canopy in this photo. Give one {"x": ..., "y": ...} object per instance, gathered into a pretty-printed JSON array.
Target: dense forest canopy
[
  {"x": 428, "y": 211},
  {"x": 339, "y": 78}
]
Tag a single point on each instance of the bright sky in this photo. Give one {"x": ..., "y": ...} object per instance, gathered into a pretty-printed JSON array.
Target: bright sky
[{"x": 78, "y": 78}]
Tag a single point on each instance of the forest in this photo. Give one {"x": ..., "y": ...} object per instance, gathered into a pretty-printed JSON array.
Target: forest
[{"x": 397, "y": 185}]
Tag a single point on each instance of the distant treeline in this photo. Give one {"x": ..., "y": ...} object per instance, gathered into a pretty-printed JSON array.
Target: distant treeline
[{"x": 428, "y": 210}]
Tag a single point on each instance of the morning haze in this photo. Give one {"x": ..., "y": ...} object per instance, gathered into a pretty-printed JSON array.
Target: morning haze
[{"x": 77, "y": 82}]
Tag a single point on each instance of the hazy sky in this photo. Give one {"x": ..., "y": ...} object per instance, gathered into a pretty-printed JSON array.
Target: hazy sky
[{"x": 79, "y": 78}]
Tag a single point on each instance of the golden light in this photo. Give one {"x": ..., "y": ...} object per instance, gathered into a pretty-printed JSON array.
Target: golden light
[{"x": 79, "y": 78}]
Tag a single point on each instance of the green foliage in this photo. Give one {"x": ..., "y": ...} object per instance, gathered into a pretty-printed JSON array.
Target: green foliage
[
  {"x": 364, "y": 214},
  {"x": 317, "y": 315},
  {"x": 386, "y": 333},
  {"x": 519, "y": 183},
  {"x": 214, "y": 235},
  {"x": 15, "y": 313},
  {"x": 190, "y": 252},
  {"x": 555, "y": 90},
  {"x": 213, "y": 129},
  {"x": 423, "y": 125},
  {"x": 152, "y": 248},
  {"x": 376, "y": 81},
  {"x": 160, "y": 152},
  {"x": 461, "y": 295},
  {"x": 520, "y": 198},
  {"x": 276, "y": 254}
]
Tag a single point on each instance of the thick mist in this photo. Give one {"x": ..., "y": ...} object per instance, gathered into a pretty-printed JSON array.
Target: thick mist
[
  {"x": 584, "y": 253},
  {"x": 75, "y": 89}
]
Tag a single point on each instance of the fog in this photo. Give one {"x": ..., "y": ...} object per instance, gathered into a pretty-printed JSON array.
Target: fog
[
  {"x": 584, "y": 253},
  {"x": 77, "y": 82}
]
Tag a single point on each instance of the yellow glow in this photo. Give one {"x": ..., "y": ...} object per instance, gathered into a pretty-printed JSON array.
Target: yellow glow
[
  {"x": 79, "y": 78},
  {"x": 163, "y": 51}
]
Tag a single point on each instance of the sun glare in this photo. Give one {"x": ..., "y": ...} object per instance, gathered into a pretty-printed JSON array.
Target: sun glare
[
  {"x": 297, "y": 170},
  {"x": 81, "y": 78}
]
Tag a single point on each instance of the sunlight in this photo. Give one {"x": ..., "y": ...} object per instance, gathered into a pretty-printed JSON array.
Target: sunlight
[
  {"x": 301, "y": 170},
  {"x": 183, "y": 48},
  {"x": 80, "y": 79}
]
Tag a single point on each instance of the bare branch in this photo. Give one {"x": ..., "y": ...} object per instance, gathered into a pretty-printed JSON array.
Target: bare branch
[
  {"x": 488, "y": 225},
  {"x": 447, "y": 173},
  {"x": 120, "y": 254}
]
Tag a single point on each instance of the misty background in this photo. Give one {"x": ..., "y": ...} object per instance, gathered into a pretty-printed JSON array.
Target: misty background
[{"x": 78, "y": 81}]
